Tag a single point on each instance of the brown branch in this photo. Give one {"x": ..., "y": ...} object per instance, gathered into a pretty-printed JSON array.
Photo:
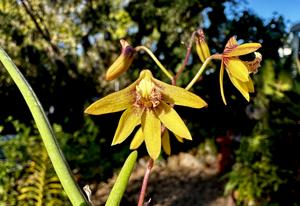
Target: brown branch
[
  {"x": 46, "y": 30},
  {"x": 187, "y": 56},
  {"x": 45, "y": 34}
]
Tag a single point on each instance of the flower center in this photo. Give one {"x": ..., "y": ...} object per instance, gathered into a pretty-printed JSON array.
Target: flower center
[
  {"x": 254, "y": 64},
  {"x": 148, "y": 95}
]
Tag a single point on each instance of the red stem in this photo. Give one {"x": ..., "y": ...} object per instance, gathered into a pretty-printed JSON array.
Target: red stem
[
  {"x": 188, "y": 53},
  {"x": 145, "y": 182},
  {"x": 150, "y": 162}
]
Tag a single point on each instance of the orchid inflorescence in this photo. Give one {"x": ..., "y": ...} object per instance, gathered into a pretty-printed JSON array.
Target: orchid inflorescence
[{"x": 149, "y": 102}]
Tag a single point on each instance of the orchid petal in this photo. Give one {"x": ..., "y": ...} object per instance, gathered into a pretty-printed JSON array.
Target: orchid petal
[
  {"x": 237, "y": 69},
  {"x": 221, "y": 83},
  {"x": 250, "y": 86},
  {"x": 231, "y": 43},
  {"x": 137, "y": 139},
  {"x": 243, "y": 49},
  {"x": 179, "y": 96},
  {"x": 128, "y": 121},
  {"x": 165, "y": 140},
  {"x": 151, "y": 130},
  {"x": 241, "y": 86},
  {"x": 114, "y": 102},
  {"x": 180, "y": 139},
  {"x": 172, "y": 120}
]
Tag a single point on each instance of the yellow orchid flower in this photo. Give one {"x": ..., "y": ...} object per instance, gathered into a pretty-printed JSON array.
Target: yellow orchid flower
[
  {"x": 238, "y": 70},
  {"x": 148, "y": 102},
  {"x": 122, "y": 63}
]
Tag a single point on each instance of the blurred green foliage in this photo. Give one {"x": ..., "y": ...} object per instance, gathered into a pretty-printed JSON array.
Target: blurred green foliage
[
  {"x": 254, "y": 176},
  {"x": 27, "y": 176},
  {"x": 266, "y": 168},
  {"x": 24, "y": 164},
  {"x": 91, "y": 161},
  {"x": 63, "y": 48}
]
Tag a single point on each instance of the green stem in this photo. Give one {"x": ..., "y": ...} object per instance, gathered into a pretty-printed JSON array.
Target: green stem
[
  {"x": 59, "y": 163},
  {"x": 149, "y": 52},
  {"x": 202, "y": 68},
  {"x": 119, "y": 187}
]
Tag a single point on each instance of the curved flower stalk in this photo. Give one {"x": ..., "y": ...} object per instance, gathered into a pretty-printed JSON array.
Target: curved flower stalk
[
  {"x": 122, "y": 63},
  {"x": 148, "y": 102},
  {"x": 56, "y": 156},
  {"x": 238, "y": 70}
]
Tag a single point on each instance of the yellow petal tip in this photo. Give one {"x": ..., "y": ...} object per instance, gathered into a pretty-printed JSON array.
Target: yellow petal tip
[{"x": 88, "y": 111}]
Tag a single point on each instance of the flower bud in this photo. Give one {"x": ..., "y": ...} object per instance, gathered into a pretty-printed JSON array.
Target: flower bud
[
  {"x": 201, "y": 46},
  {"x": 122, "y": 63}
]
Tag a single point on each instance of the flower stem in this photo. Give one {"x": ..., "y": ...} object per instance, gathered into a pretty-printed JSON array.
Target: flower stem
[
  {"x": 149, "y": 52},
  {"x": 202, "y": 68},
  {"x": 145, "y": 182},
  {"x": 187, "y": 56},
  {"x": 59, "y": 163}
]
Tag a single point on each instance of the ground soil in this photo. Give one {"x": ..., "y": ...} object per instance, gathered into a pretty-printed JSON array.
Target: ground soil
[{"x": 180, "y": 180}]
